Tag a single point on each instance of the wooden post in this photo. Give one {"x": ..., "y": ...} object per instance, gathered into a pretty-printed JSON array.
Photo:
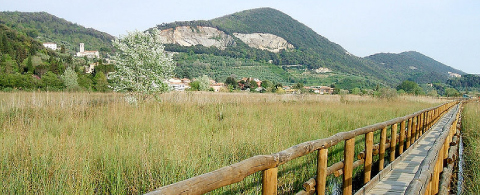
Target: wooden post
[
  {"x": 430, "y": 121},
  {"x": 436, "y": 172},
  {"x": 381, "y": 153},
  {"x": 393, "y": 142},
  {"x": 414, "y": 129},
  {"x": 367, "y": 174},
  {"x": 409, "y": 132},
  {"x": 269, "y": 181},
  {"x": 349, "y": 154},
  {"x": 322, "y": 171},
  {"x": 417, "y": 130},
  {"x": 402, "y": 138},
  {"x": 422, "y": 124},
  {"x": 446, "y": 145}
]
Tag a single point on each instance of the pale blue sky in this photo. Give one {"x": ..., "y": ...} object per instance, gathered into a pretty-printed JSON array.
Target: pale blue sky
[{"x": 446, "y": 30}]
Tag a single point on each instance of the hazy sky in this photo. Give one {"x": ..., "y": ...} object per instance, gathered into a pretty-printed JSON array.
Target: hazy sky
[{"x": 446, "y": 30}]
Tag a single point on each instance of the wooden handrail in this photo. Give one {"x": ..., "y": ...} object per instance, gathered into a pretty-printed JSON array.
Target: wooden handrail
[
  {"x": 237, "y": 172},
  {"x": 426, "y": 178}
]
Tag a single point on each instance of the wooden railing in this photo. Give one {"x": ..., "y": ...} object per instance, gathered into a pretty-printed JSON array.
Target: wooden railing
[
  {"x": 411, "y": 128},
  {"x": 427, "y": 179}
]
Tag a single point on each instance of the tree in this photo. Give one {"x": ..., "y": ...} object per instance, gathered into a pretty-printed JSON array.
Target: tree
[
  {"x": 51, "y": 81},
  {"x": 451, "y": 92},
  {"x": 204, "y": 84},
  {"x": 142, "y": 66},
  {"x": 100, "y": 82},
  {"x": 230, "y": 81},
  {"x": 29, "y": 66},
  {"x": 70, "y": 79},
  {"x": 411, "y": 88}
]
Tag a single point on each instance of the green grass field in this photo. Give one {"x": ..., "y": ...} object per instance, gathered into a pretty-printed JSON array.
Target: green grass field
[
  {"x": 471, "y": 138},
  {"x": 82, "y": 143}
]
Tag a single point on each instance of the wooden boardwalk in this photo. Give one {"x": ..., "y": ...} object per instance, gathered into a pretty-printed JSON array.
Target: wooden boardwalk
[{"x": 396, "y": 177}]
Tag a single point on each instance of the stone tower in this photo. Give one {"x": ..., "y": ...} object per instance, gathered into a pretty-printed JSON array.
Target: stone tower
[{"x": 82, "y": 47}]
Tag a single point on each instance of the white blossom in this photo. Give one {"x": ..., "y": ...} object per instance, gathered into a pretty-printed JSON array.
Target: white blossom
[{"x": 142, "y": 66}]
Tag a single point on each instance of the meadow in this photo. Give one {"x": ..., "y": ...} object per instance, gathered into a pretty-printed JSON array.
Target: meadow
[
  {"x": 471, "y": 139},
  {"x": 94, "y": 143}
]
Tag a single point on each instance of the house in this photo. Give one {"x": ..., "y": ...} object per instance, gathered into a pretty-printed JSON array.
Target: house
[
  {"x": 455, "y": 75},
  {"x": 89, "y": 54},
  {"x": 50, "y": 45},
  {"x": 217, "y": 86},
  {"x": 325, "y": 90},
  {"x": 177, "y": 84},
  {"x": 90, "y": 68}
]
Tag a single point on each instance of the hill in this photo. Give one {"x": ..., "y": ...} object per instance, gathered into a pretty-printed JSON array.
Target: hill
[
  {"x": 45, "y": 27},
  {"x": 311, "y": 50},
  {"x": 414, "y": 66}
]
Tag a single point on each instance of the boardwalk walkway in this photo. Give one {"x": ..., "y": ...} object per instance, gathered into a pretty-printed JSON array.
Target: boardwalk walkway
[{"x": 395, "y": 178}]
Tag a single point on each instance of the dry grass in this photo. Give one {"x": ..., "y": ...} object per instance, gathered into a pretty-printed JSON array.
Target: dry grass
[
  {"x": 471, "y": 137},
  {"x": 80, "y": 143}
]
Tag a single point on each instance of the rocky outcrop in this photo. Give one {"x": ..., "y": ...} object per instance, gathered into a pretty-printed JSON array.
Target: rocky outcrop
[
  {"x": 264, "y": 41},
  {"x": 189, "y": 36},
  {"x": 209, "y": 36}
]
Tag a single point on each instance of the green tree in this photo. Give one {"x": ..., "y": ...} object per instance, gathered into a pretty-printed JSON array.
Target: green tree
[
  {"x": 432, "y": 93},
  {"x": 267, "y": 85},
  {"x": 51, "y": 81},
  {"x": 142, "y": 66},
  {"x": 356, "y": 91},
  {"x": 451, "y": 92},
  {"x": 204, "y": 84},
  {"x": 230, "y": 81},
  {"x": 8, "y": 65},
  {"x": 100, "y": 82},
  {"x": 85, "y": 81},
  {"x": 411, "y": 87},
  {"x": 29, "y": 67},
  {"x": 195, "y": 86},
  {"x": 70, "y": 79}
]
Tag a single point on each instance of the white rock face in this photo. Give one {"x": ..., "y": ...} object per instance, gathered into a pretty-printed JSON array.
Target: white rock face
[
  {"x": 264, "y": 41},
  {"x": 189, "y": 36},
  {"x": 209, "y": 36}
]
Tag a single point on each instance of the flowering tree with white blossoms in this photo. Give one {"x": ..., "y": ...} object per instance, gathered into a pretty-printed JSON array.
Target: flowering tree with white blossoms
[{"x": 142, "y": 66}]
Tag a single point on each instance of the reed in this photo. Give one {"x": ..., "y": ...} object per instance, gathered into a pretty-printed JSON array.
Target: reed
[
  {"x": 471, "y": 138},
  {"x": 86, "y": 143}
]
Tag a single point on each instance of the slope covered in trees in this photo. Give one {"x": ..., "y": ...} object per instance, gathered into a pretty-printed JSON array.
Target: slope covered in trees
[
  {"x": 311, "y": 50},
  {"x": 49, "y": 28},
  {"x": 414, "y": 66},
  {"x": 25, "y": 64}
]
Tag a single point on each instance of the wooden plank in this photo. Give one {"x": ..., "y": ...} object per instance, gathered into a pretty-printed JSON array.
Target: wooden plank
[
  {"x": 269, "y": 181},
  {"x": 349, "y": 154}
]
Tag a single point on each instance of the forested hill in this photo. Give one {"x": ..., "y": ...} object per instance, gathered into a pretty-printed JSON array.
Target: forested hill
[
  {"x": 311, "y": 49},
  {"x": 45, "y": 27},
  {"x": 414, "y": 66}
]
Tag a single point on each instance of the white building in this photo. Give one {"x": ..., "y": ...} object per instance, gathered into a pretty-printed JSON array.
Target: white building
[
  {"x": 177, "y": 84},
  {"x": 452, "y": 74},
  {"x": 90, "y": 68},
  {"x": 89, "y": 54},
  {"x": 50, "y": 45}
]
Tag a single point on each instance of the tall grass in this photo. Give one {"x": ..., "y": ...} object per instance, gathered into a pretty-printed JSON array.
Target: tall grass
[
  {"x": 471, "y": 138},
  {"x": 81, "y": 143}
]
